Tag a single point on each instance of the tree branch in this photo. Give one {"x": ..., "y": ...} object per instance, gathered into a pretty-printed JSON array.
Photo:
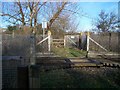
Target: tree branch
[{"x": 56, "y": 14}]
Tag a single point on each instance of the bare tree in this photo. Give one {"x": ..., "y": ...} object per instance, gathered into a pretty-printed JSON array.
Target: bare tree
[
  {"x": 15, "y": 14},
  {"x": 31, "y": 13},
  {"x": 60, "y": 15},
  {"x": 106, "y": 21},
  {"x": 59, "y": 10},
  {"x": 23, "y": 12}
]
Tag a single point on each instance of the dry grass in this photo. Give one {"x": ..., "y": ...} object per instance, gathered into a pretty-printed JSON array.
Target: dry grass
[{"x": 81, "y": 78}]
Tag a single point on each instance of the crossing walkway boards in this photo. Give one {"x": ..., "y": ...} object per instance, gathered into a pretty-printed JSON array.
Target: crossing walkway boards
[
  {"x": 84, "y": 62},
  {"x": 49, "y": 59}
]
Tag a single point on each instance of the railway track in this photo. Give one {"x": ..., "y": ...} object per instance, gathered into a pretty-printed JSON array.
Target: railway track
[
  {"x": 50, "y": 63},
  {"x": 53, "y": 63}
]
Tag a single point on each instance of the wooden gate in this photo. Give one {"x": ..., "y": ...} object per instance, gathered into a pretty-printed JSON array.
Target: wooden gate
[
  {"x": 72, "y": 40},
  {"x": 102, "y": 44}
]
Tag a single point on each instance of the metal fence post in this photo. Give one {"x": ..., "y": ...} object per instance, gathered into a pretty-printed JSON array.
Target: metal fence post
[
  {"x": 118, "y": 44},
  {"x": 32, "y": 59}
]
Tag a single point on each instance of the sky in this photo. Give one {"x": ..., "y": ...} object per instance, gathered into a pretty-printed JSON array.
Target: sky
[{"x": 90, "y": 10}]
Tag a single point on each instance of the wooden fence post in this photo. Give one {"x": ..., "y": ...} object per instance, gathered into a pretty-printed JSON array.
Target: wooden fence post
[
  {"x": 64, "y": 41},
  {"x": 49, "y": 41},
  {"x": 13, "y": 34},
  {"x": 88, "y": 34},
  {"x": 80, "y": 41},
  {"x": 23, "y": 77}
]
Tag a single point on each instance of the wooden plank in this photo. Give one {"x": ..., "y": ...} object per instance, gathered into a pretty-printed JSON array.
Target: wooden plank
[
  {"x": 98, "y": 44},
  {"x": 83, "y": 64},
  {"x": 58, "y": 39},
  {"x": 43, "y": 40},
  {"x": 58, "y": 42},
  {"x": 80, "y": 60}
]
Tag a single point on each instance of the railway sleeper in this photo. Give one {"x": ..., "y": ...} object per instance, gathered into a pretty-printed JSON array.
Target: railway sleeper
[{"x": 111, "y": 65}]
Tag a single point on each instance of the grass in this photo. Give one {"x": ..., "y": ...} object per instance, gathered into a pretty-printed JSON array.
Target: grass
[
  {"x": 78, "y": 79},
  {"x": 69, "y": 52}
]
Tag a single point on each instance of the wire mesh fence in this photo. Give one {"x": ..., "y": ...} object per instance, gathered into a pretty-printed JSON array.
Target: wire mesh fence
[
  {"x": 9, "y": 73},
  {"x": 109, "y": 41},
  {"x": 72, "y": 41},
  {"x": 43, "y": 46},
  {"x": 15, "y": 53},
  {"x": 19, "y": 45}
]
